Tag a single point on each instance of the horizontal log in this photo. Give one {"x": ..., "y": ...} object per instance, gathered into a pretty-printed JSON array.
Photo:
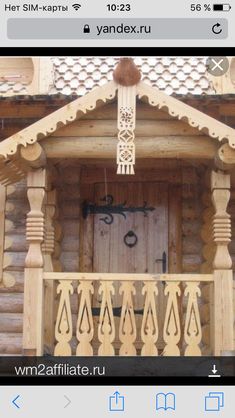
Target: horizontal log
[
  {"x": 17, "y": 191},
  {"x": 191, "y": 228},
  {"x": 11, "y": 303},
  {"x": 16, "y": 210},
  {"x": 11, "y": 322},
  {"x": 206, "y": 267},
  {"x": 192, "y": 245},
  {"x": 15, "y": 243},
  {"x": 205, "y": 313},
  {"x": 206, "y": 335},
  {"x": 191, "y": 263},
  {"x": 16, "y": 226},
  {"x": 146, "y": 147},
  {"x": 70, "y": 243},
  {"x": 14, "y": 260},
  {"x": 206, "y": 292},
  {"x": 16, "y": 277},
  {"x": 190, "y": 213},
  {"x": 33, "y": 155},
  {"x": 96, "y": 175},
  {"x": 70, "y": 261},
  {"x": 69, "y": 228},
  {"x": 70, "y": 192},
  {"x": 11, "y": 343},
  {"x": 106, "y": 128},
  {"x": 70, "y": 211},
  {"x": 225, "y": 157},
  {"x": 70, "y": 175}
]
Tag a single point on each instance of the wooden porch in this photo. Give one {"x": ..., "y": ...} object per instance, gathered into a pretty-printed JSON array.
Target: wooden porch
[{"x": 103, "y": 307}]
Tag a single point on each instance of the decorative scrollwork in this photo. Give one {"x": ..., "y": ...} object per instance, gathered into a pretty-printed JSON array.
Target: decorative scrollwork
[
  {"x": 63, "y": 328},
  {"x": 85, "y": 327},
  {"x": 171, "y": 330},
  {"x": 149, "y": 328},
  {"x": 127, "y": 328},
  {"x": 192, "y": 329},
  {"x": 106, "y": 329}
]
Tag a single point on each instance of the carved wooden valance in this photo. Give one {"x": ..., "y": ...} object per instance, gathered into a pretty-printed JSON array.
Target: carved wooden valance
[{"x": 129, "y": 87}]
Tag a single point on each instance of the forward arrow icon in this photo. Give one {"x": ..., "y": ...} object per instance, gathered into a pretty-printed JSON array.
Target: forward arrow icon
[{"x": 68, "y": 401}]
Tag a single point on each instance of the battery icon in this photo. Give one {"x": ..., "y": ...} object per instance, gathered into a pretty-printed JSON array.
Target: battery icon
[{"x": 222, "y": 7}]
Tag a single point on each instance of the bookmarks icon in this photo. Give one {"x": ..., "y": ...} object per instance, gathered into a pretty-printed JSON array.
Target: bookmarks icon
[{"x": 165, "y": 401}]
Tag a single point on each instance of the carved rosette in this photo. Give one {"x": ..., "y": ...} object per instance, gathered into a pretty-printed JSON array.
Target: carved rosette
[
  {"x": 106, "y": 328},
  {"x": 171, "y": 330},
  {"x": 127, "y": 327},
  {"x": 85, "y": 327},
  {"x": 192, "y": 329},
  {"x": 149, "y": 328},
  {"x": 126, "y": 129},
  {"x": 64, "y": 328}
]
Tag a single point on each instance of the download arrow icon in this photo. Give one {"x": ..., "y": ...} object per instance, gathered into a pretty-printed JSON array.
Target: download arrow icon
[{"x": 214, "y": 370}]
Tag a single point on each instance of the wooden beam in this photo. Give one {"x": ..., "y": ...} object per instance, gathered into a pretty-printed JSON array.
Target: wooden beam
[
  {"x": 107, "y": 127},
  {"x": 225, "y": 157},
  {"x": 188, "y": 147},
  {"x": 34, "y": 155}
]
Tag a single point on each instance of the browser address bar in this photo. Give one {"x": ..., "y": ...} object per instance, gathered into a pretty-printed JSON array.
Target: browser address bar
[{"x": 73, "y": 28}]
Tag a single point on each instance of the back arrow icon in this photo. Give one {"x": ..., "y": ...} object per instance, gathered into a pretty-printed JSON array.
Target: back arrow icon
[
  {"x": 14, "y": 402},
  {"x": 68, "y": 401},
  {"x": 217, "y": 28}
]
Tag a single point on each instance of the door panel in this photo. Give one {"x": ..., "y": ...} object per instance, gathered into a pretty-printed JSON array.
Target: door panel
[{"x": 112, "y": 255}]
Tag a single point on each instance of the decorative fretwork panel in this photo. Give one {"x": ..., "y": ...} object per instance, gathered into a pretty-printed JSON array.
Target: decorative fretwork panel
[{"x": 179, "y": 339}]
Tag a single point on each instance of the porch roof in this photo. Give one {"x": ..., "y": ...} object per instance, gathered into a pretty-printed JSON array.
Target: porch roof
[{"x": 12, "y": 167}]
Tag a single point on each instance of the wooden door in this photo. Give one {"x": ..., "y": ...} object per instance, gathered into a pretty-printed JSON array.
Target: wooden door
[{"x": 110, "y": 252}]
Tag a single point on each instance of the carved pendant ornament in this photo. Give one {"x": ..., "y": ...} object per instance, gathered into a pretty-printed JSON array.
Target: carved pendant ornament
[{"x": 126, "y": 129}]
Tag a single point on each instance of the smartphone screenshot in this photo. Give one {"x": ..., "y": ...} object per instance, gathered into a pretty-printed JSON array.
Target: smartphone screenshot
[{"x": 117, "y": 208}]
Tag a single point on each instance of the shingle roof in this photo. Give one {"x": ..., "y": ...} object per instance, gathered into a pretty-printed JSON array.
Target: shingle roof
[
  {"x": 78, "y": 75},
  {"x": 181, "y": 75}
]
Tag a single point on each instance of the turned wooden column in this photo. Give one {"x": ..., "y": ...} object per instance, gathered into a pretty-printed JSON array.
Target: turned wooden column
[
  {"x": 222, "y": 264},
  {"x": 48, "y": 248},
  {"x": 33, "y": 285}
]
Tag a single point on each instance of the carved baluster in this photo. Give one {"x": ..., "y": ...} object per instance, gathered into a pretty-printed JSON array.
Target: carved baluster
[
  {"x": 63, "y": 327},
  {"x": 35, "y": 220},
  {"x": 171, "y": 330},
  {"x": 221, "y": 220},
  {"x": 48, "y": 245},
  {"x": 127, "y": 328},
  {"x": 192, "y": 329},
  {"x": 85, "y": 326},
  {"x": 106, "y": 328},
  {"x": 223, "y": 274},
  {"x": 48, "y": 249},
  {"x": 33, "y": 330},
  {"x": 149, "y": 327}
]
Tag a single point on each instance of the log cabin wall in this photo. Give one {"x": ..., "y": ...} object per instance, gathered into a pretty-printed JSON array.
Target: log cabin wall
[{"x": 11, "y": 297}]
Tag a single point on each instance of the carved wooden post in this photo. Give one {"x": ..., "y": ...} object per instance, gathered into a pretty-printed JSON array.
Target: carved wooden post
[
  {"x": 33, "y": 286},
  {"x": 48, "y": 247},
  {"x": 223, "y": 276}
]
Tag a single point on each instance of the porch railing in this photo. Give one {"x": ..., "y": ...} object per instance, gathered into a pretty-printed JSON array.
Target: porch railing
[{"x": 181, "y": 333}]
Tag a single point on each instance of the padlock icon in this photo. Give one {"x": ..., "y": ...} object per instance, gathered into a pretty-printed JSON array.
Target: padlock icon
[{"x": 86, "y": 29}]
